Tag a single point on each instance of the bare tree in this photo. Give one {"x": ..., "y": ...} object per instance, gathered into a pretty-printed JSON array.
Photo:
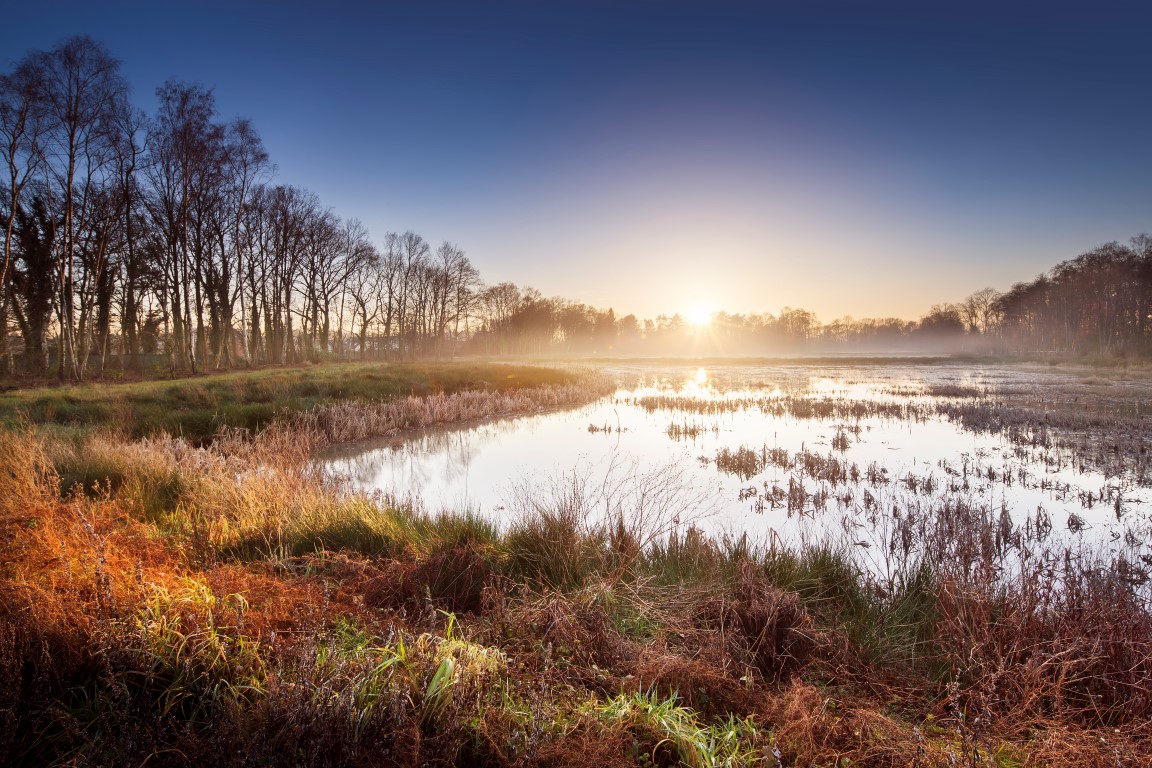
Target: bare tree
[
  {"x": 32, "y": 279},
  {"x": 979, "y": 310},
  {"x": 355, "y": 254},
  {"x": 83, "y": 93},
  {"x": 130, "y": 147},
  {"x": 370, "y": 294},
  {"x": 413, "y": 253},
  {"x": 249, "y": 165},
  {"x": 459, "y": 281},
  {"x": 184, "y": 144},
  {"x": 22, "y": 128}
]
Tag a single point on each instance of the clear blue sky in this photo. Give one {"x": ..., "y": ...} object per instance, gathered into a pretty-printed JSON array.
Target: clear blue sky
[{"x": 848, "y": 157}]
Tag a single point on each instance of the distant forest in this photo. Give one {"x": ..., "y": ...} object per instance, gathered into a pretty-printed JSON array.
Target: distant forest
[{"x": 136, "y": 241}]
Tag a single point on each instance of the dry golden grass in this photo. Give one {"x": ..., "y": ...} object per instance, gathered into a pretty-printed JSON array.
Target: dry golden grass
[{"x": 169, "y": 603}]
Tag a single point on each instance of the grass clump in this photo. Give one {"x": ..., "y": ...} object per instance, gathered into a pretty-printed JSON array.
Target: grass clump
[
  {"x": 666, "y": 733},
  {"x": 188, "y": 659}
]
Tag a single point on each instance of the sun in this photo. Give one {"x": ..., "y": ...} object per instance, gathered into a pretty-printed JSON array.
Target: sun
[{"x": 698, "y": 315}]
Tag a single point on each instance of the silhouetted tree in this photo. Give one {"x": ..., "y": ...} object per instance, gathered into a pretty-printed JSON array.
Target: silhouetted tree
[
  {"x": 32, "y": 279},
  {"x": 83, "y": 94},
  {"x": 23, "y": 125},
  {"x": 942, "y": 321}
]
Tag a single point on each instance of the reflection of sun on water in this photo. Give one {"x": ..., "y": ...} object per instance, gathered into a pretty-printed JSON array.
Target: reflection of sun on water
[
  {"x": 697, "y": 385},
  {"x": 854, "y": 390}
]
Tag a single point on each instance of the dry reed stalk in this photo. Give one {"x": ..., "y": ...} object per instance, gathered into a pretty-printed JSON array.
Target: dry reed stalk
[
  {"x": 814, "y": 729},
  {"x": 1055, "y": 745},
  {"x": 27, "y": 479}
]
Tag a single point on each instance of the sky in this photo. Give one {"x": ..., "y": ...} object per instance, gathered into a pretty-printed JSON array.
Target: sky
[{"x": 867, "y": 159}]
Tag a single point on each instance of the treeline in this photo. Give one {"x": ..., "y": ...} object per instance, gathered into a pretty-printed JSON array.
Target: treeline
[
  {"x": 1099, "y": 303},
  {"x": 162, "y": 240},
  {"x": 127, "y": 234}
]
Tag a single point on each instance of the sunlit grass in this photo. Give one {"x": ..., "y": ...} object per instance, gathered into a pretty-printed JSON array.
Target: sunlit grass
[{"x": 218, "y": 599}]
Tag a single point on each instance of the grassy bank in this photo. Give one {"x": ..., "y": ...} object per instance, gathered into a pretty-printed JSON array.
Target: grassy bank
[
  {"x": 198, "y": 407},
  {"x": 176, "y": 605}
]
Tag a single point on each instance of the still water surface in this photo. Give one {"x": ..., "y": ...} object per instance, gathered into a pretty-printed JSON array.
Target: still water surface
[{"x": 689, "y": 425}]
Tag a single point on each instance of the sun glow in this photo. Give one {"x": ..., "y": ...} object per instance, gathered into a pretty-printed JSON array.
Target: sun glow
[{"x": 698, "y": 315}]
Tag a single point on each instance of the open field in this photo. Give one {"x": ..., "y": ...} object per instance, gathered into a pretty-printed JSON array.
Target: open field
[{"x": 230, "y": 602}]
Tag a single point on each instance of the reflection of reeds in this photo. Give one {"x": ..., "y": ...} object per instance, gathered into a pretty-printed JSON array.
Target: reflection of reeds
[
  {"x": 350, "y": 421},
  {"x": 686, "y": 431},
  {"x": 1111, "y": 437},
  {"x": 746, "y": 463},
  {"x": 840, "y": 440},
  {"x": 794, "y": 406},
  {"x": 844, "y": 481}
]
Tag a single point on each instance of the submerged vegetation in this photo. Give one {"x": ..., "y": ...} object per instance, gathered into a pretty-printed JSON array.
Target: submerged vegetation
[{"x": 176, "y": 603}]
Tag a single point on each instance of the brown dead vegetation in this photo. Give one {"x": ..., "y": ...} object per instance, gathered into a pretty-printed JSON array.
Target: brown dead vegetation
[{"x": 223, "y": 605}]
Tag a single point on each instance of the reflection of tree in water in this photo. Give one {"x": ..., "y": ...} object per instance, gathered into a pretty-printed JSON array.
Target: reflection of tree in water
[{"x": 441, "y": 456}]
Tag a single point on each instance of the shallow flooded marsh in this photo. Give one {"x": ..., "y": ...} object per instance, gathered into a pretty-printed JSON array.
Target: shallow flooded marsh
[{"x": 865, "y": 455}]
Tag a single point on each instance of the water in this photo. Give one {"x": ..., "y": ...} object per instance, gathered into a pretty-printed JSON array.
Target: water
[{"x": 780, "y": 451}]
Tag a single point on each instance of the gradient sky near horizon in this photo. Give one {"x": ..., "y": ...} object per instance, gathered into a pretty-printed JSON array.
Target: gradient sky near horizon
[{"x": 851, "y": 158}]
